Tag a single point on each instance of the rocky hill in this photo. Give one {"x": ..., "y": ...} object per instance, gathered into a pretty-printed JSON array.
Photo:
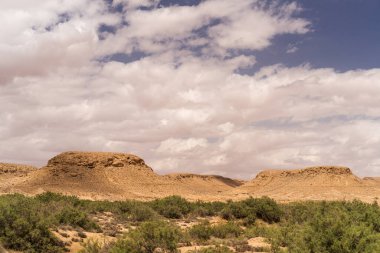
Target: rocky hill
[
  {"x": 113, "y": 176},
  {"x": 313, "y": 183},
  {"x": 116, "y": 176}
]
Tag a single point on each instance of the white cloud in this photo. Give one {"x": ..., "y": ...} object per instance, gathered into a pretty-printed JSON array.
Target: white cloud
[
  {"x": 178, "y": 146},
  {"x": 216, "y": 160},
  {"x": 177, "y": 109},
  {"x": 242, "y": 24},
  {"x": 292, "y": 49},
  {"x": 253, "y": 29},
  {"x": 44, "y": 35}
]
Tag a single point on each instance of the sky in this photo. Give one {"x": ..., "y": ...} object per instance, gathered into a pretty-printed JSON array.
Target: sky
[{"x": 211, "y": 87}]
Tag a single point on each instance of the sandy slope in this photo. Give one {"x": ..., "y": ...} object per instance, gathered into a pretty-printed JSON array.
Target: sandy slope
[
  {"x": 116, "y": 176},
  {"x": 314, "y": 183},
  {"x": 12, "y": 175},
  {"x": 372, "y": 180}
]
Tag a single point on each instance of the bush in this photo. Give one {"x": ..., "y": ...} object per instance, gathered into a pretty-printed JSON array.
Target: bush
[
  {"x": 156, "y": 234},
  {"x": 235, "y": 210},
  {"x": 227, "y": 230},
  {"x": 330, "y": 227},
  {"x": 76, "y": 218},
  {"x": 23, "y": 228},
  {"x": 265, "y": 208},
  {"x": 249, "y": 220},
  {"x": 136, "y": 211},
  {"x": 201, "y": 232},
  {"x": 336, "y": 226},
  {"x": 173, "y": 207},
  {"x": 204, "y": 209}
]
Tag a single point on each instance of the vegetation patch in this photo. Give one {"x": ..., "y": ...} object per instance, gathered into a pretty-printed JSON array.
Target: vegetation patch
[{"x": 337, "y": 226}]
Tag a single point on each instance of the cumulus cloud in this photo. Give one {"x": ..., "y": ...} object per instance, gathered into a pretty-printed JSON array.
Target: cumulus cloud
[
  {"x": 40, "y": 36},
  {"x": 180, "y": 146},
  {"x": 183, "y": 105},
  {"x": 214, "y": 25}
]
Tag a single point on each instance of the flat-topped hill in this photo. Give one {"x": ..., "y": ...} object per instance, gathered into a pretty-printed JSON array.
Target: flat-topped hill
[
  {"x": 320, "y": 176},
  {"x": 117, "y": 176},
  {"x": 92, "y": 166},
  {"x": 95, "y": 175},
  {"x": 91, "y": 160},
  {"x": 100, "y": 175},
  {"x": 312, "y": 183},
  {"x": 307, "y": 172}
]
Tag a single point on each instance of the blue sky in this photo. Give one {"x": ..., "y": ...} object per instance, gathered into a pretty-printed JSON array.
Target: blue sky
[
  {"x": 345, "y": 35},
  {"x": 214, "y": 87}
]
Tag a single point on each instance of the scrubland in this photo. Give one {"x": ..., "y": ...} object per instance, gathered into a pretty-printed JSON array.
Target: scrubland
[{"x": 51, "y": 222}]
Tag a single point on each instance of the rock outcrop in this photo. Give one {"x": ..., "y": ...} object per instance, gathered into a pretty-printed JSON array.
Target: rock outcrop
[{"x": 319, "y": 176}]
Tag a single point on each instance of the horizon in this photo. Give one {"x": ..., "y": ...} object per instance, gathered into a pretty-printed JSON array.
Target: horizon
[
  {"x": 262, "y": 170},
  {"x": 206, "y": 87}
]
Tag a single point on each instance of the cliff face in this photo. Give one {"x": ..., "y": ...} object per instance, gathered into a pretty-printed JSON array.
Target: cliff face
[
  {"x": 90, "y": 160},
  {"x": 90, "y": 166}
]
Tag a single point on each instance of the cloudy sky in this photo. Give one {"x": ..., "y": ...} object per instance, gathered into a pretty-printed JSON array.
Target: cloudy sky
[{"x": 225, "y": 87}]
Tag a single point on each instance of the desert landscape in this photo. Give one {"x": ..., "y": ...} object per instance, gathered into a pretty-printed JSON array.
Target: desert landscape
[
  {"x": 189, "y": 126},
  {"x": 118, "y": 176},
  {"x": 99, "y": 202}
]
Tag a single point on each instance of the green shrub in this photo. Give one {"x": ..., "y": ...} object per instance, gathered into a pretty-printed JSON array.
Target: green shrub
[
  {"x": 23, "y": 228},
  {"x": 227, "y": 230},
  {"x": 330, "y": 227},
  {"x": 265, "y": 208},
  {"x": 201, "y": 232},
  {"x": 76, "y": 218},
  {"x": 137, "y": 211},
  {"x": 319, "y": 226},
  {"x": 204, "y": 209},
  {"x": 173, "y": 207},
  {"x": 156, "y": 234},
  {"x": 250, "y": 220}
]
